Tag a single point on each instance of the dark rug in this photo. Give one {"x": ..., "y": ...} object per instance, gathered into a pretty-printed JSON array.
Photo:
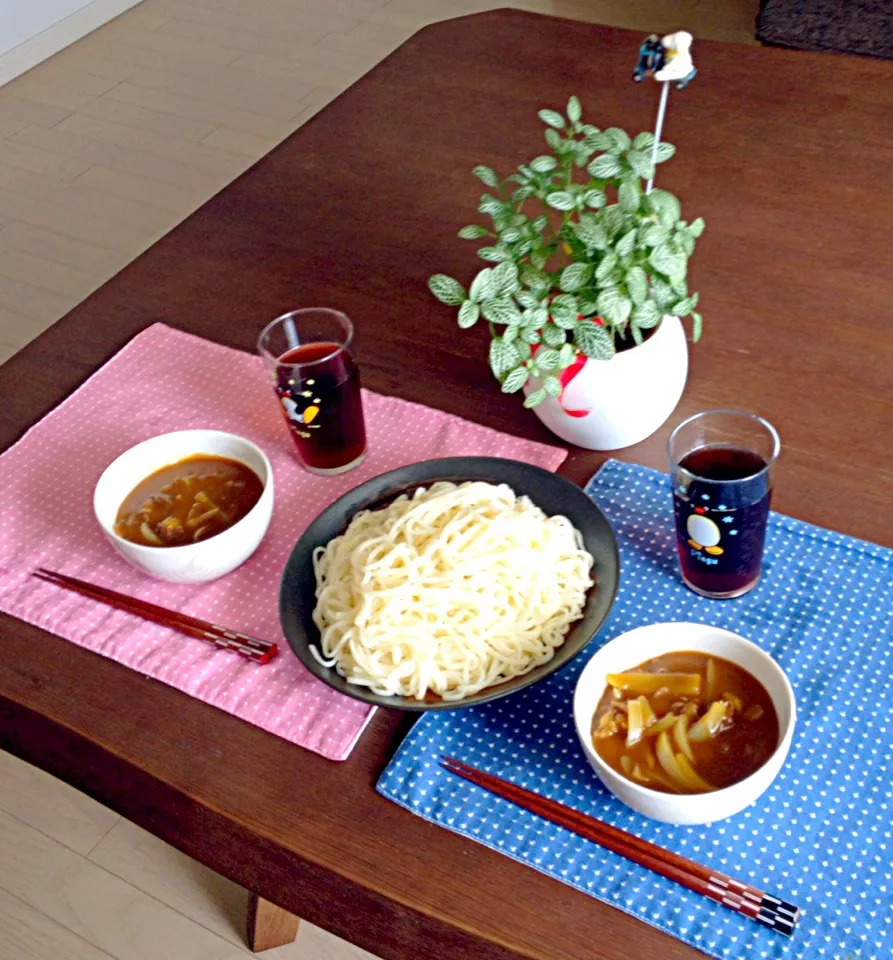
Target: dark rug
[{"x": 846, "y": 26}]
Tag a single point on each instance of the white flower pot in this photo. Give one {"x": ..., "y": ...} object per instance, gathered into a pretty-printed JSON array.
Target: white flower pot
[{"x": 618, "y": 402}]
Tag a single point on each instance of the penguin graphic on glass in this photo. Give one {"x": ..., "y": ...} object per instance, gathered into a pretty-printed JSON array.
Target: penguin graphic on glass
[{"x": 704, "y": 533}]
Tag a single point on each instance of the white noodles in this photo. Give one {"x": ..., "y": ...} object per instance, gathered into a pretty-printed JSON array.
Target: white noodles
[{"x": 449, "y": 591}]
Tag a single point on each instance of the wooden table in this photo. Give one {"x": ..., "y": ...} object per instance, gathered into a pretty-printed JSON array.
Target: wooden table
[{"x": 788, "y": 158}]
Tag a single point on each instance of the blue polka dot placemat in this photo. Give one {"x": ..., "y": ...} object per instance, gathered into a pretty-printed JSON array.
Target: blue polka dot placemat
[{"x": 820, "y": 837}]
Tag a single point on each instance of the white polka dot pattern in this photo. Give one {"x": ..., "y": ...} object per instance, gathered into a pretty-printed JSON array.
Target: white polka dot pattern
[
  {"x": 820, "y": 837},
  {"x": 166, "y": 380}
]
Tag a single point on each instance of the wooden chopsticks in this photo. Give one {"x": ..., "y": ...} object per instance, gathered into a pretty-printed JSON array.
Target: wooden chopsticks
[
  {"x": 745, "y": 899},
  {"x": 260, "y": 651}
]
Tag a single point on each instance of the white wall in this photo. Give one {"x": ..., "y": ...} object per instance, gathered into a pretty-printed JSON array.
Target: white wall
[
  {"x": 33, "y": 30},
  {"x": 20, "y": 20}
]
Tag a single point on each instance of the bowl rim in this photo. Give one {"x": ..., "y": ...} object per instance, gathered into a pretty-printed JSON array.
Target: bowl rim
[
  {"x": 139, "y": 549},
  {"x": 785, "y": 736},
  {"x": 456, "y": 469}
]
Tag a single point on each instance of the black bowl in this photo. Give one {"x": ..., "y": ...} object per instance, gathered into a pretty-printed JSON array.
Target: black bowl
[{"x": 553, "y": 494}]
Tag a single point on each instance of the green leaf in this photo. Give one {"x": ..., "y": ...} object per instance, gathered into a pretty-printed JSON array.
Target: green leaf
[
  {"x": 662, "y": 293},
  {"x": 626, "y": 244},
  {"x": 553, "y": 336},
  {"x": 503, "y": 356},
  {"x": 536, "y": 280},
  {"x": 591, "y": 232},
  {"x": 523, "y": 348},
  {"x": 653, "y": 234},
  {"x": 510, "y": 334},
  {"x": 665, "y": 151},
  {"x": 535, "y": 399},
  {"x": 679, "y": 287},
  {"x": 566, "y": 355},
  {"x": 543, "y": 164},
  {"x": 666, "y": 206},
  {"x": 686, "y": 242},
  {"x": 696, "y": 227},
  {"x": 574, "y": 110},
  {"x": 644, "y": 142},
  {"x": 501, "y": 310},
  {"x": 473, "y": 232},
  {"x": 526, "y": 299},
  {"x": 593, "y": 340},
  {"x": 647, "y": 315},
  {"x": 552, "y": 119},
  {"x": 522, "y": 193},
  {"x": 615, "y": 219},
  {"x": 596, "y": 140},
  {"x": 574, "y": 276},
  {"x": 581, "y": 154},
  {"x": 530, "y": 335},
  {"x": 619, "y": 138},
  {"x": 606, "y": 267},
  {"x": 564, "y": 310},
  {"x": 665, "y": 261},
  {"x": 536, "y": 317},
  {"x": 588, "y": 308},
  {"x": 628, "y": 194},
  {"x": 641, "y": 164},
  {"x": 468, "y": 314},
  {"x": 637, "y": 285},
  {"x": 515, "y": 380},
  {"x": 697, "y": 327},
  {"x": 483, "y": 286},
  {"x": 487, "y": 175},
  {"x": 553, "y": 138},
  {"x": 552, "y": 386},
  {"x": 595, "y": 198},
  {"x": 547, "y": 359},
  {"x": 605, "y": 167},
  {"x": 683, "y": 308},
  {"x": 494, "y": 254},
  {"x": 505, "y": 277},
  {"x": 637, "y": 334},
  {"x": 490, "y": 205},
  {"x": 561, "y": 200},
  {"x": 613, "y": 306},
  {"x": 446, "y": 289}
]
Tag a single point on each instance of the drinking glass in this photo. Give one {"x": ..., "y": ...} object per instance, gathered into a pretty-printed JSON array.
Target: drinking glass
[
  {"x": 307, "y": 353},
  {"x": 721, "y": 466}
]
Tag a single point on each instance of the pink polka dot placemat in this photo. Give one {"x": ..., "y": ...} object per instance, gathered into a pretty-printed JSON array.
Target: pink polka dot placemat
[{"x": 166, "y": 380}]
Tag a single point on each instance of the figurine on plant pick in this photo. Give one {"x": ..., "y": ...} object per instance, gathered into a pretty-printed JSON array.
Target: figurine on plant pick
[
  {"x": 678, "y": 64},
  {"x": 651, "y": 58},
  {"x": 667, "y": 60}
]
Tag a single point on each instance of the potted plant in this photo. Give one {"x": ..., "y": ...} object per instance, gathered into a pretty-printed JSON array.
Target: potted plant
[{"x": 584, "y": 295}]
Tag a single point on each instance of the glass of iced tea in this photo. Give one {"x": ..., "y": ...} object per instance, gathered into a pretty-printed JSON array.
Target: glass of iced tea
[
  {"x": 721, "y": 465},
  {"x": 307, "y": 353}
]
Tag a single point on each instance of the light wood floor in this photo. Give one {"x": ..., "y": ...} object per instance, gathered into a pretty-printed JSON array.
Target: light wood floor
[{"x": 103, "y": 149}]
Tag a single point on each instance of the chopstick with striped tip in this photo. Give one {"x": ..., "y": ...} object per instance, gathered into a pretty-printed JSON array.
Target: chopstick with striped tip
[
  {"x": 741, "y": 897},
  {"x": 260, "y": 651}
]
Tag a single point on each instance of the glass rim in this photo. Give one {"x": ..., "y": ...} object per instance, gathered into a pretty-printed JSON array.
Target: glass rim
[
  {"x": 753, "y": 417},
  {"x": 295, "y": 314}
]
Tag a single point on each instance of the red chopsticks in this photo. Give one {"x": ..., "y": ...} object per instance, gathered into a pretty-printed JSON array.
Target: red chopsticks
[
  {"x": 745, "y": 899},
  {"x": 260, "y": 651}
]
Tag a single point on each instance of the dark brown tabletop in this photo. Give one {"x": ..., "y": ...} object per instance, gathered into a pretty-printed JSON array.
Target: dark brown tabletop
[{"x": 786, "y": 155}]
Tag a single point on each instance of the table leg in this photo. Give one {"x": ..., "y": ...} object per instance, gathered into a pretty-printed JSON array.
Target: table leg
[{"x": 268, "y": 925}]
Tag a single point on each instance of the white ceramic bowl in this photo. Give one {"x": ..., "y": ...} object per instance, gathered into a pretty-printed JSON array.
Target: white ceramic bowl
[
  {"x": 195, "y": 562},
  {"x": 632, "y": 648}
]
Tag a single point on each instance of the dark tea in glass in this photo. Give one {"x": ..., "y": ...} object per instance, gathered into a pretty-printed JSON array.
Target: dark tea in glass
[
  {"x": 721, "y": 463},
  {"x": 318, "y": 386}
]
